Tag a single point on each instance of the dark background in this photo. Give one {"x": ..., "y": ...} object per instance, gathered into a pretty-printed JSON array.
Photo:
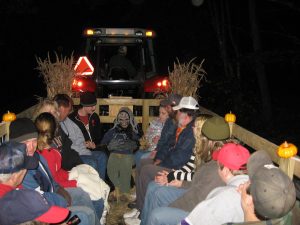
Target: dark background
[{"x": 32, "y": 28}]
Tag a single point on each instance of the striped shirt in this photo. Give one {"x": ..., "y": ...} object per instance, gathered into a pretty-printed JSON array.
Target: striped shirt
[{"x": 185, "y": 173}]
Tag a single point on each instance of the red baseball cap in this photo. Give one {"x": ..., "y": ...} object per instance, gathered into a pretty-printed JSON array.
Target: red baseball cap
[{"x": 233, "y": 156}]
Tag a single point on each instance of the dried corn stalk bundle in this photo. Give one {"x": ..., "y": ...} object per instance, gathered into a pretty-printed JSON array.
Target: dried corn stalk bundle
[
  {"x": 186, "y": 78},
  {"x": 58, "y": 75}
]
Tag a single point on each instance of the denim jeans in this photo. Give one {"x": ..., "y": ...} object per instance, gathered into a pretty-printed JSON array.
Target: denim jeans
[
  {"x": 140, "y": 154},
  {"x": 158, "y": 196},
  {"x": 98, "y": 160},
  {"x": 81, "y": 198},
  {"x": 166, "y": 216},
  {"x": 85, "y": 214}
]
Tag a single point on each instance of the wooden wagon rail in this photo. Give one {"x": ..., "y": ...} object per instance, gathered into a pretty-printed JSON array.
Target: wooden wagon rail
[{"x": 290, "y": 166}]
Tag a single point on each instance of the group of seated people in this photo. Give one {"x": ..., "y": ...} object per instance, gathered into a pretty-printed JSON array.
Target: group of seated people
[
  {"x": 56, "y": 166},
  {"x": 70, "y": 160},
  {"x": 202, "y": 176}
]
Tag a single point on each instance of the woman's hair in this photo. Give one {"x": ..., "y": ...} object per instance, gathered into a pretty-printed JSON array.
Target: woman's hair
[
  {"x": 46, "y": 126},
  {"x": 43, "y": 106},
  {"x": 203, "y": 146}
]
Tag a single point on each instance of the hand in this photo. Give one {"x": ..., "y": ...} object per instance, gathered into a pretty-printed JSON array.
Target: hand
[
  {"x": 161, "y": 180},
  {"x": 246, "y": 202},
  {"x": 90, "y": 144},
  {"x": 61, "y": 191},
  {"x": 175, "y": 183},
  {"x": 155, "y": 139},
  {"x": 156, "y": 162},
  {"x": 152, "y": 154},
  {"x": 162, "y": 177}
]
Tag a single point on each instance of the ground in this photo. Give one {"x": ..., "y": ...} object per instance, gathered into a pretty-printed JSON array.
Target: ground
[{"x": 115, "y": 216}]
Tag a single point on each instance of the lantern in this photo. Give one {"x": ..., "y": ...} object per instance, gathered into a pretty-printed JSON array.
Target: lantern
[
  {"x": 287, "y": 150},
  {"x": 230, "y": 117},
  {"x": 9, "y": 116}
]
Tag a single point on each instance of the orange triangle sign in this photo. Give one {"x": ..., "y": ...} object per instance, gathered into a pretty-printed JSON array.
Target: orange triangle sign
[{"x": 83, "y": 66}]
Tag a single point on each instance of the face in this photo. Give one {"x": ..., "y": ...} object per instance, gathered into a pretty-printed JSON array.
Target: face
[
  {"x": 163, "y": 114},
  {"x": 64, "y": 112},
  {"x": 31, "y": 145},
  {"x": 223, "y": 173},
  {"x": 123, "y": 119},
  {"x": 89, "y": 109},
  {"x": 181, "y": 118},
  {"x": 169, "y": 109}
]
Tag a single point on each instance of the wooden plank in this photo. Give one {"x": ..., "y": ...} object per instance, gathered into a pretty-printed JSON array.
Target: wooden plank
[
  {"x": 121, "y": 101},
  {"x": 27, "y": 113},
  {"x": 297, "y": 166},
  {"x": 110, "y": 119},
  {"x": 256, "y": 142}
]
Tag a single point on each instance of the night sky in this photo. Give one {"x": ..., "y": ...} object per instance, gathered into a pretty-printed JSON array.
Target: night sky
[{"x": 32, "y": 28}]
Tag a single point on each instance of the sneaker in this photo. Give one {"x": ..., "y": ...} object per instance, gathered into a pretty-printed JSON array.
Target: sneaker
[
  {"x": 134, "y": 213},
  {"x": 132, "y": 221}
]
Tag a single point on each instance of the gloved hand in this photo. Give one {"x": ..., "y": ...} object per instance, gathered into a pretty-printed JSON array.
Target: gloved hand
[{"x": 61, "y": 191}]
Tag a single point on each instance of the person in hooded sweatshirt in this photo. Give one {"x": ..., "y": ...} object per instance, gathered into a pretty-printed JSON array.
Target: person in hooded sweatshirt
[{"x": 121, "y": 141}]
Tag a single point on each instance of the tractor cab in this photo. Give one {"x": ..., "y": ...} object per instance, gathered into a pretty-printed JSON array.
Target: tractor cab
[{"x": 124, "y": 62}]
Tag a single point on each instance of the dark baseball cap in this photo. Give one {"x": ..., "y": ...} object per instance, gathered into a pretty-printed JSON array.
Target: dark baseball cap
[
  {"x": 173, "y": 100},
  {"x": 19, "y": 206},
  {"x": 272, "y": 190},
  {"x": 88, "y": 99},
  {"x": 13, "y": 158}
]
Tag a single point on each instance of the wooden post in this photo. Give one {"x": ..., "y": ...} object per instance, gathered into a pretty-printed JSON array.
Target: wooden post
[
  {"x": 287, "y": 166},
  {"x": 145, "y": 115},
  {"x": 7, "y": 131},
  {"x": 230, "y": 127}
]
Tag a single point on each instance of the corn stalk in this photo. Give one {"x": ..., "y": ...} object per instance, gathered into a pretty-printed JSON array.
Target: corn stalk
[
  {"x": 58, "y": 75},
  {"x": 186, "y": 78}
]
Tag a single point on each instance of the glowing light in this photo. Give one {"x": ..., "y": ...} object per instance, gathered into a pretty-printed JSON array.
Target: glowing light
[
  {"x": 149, "y": 33},
  {"x": 164, "y": 83},
  {"x": 89, "y": 32}
]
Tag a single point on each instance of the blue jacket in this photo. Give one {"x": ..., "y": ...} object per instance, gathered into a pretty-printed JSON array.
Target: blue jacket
[
  {"x": 41, "y": 180},
  {"x": 167, "y": 139},
  {"x": 180, "y": 154}
]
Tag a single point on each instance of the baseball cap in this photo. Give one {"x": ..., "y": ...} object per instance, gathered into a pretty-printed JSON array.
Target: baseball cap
[
  {"x": 173, "y": 99},
  {"x": 22, "y": 129},
  {"x": 13, "y": 158},
  {"x": 257, "y": 160},
  {"x": 88, "y": 99},
  {"x": 273, "y": 192},
  {"x": 233, "y": 156},
  {"x": 20, "y": 206},
  {"x": 216, "y": 129},
  {"x": 187, "y": 103}
]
